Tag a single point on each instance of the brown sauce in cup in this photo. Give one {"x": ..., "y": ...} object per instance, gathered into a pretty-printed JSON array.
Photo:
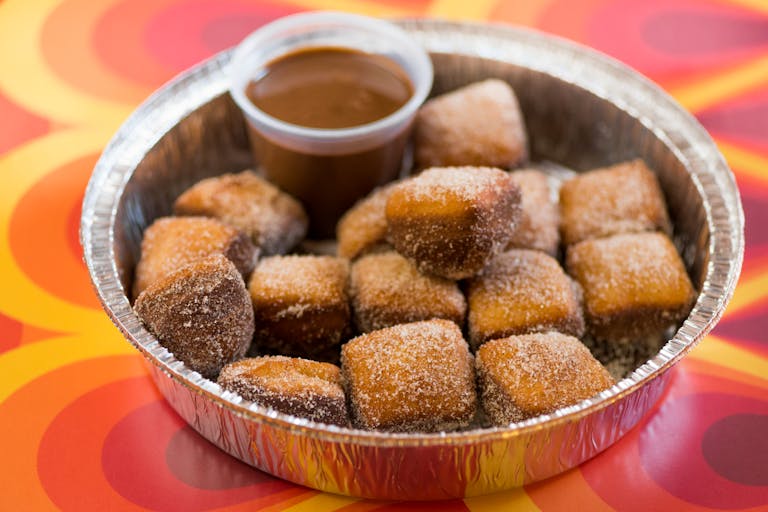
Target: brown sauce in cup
[{"x": 329, "y": 88}]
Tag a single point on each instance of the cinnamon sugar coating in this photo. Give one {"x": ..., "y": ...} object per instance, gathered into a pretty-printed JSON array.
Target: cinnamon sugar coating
[
  {"x": 172, "y": 242},
  {"x": 300, "y": 303},
  {"x": 201, "y": 313},
  {"x": 521, "y": 377},
  {"x": 274, "y": 220},
  {"x": 623, "y": 198},
  {"x": 523, "y": 291},
  {"x": 387, "y": 290},
  {"x": 479, "y": 124},
  {"x": 538, "y": 227},
  {"x": 302, "y": 388},
  {"x": 410, "y": 377},
  {"x": 635, "y": 285},
  {"x": 364, "y": 226},
  {"x": 451, "y": 221}
]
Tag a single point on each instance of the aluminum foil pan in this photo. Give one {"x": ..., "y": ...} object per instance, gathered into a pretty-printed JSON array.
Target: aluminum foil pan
[{"x": 582, "y": 110}]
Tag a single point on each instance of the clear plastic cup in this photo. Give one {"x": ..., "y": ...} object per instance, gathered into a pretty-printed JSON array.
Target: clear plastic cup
[{"x": 329, "y": 169}]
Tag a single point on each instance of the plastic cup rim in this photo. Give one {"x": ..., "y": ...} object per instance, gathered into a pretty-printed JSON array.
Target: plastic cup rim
[{"x": 258, "y": 118}]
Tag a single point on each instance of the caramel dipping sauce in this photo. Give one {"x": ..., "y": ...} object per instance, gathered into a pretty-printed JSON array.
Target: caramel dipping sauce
[{"x": 329, "y": 89}]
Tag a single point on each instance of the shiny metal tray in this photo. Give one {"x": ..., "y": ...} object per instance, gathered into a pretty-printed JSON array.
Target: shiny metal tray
[{"x": 582, "y": 110}]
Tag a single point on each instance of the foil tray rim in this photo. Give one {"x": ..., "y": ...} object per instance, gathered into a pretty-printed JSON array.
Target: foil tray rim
[{"x": 656, "y": 110}]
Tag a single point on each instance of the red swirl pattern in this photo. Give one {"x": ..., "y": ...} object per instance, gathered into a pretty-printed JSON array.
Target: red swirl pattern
[{"x": 82, "y": 425}]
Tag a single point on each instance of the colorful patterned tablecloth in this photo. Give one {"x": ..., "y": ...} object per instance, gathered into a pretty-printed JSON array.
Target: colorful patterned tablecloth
[{"x": 83, "y": 428}]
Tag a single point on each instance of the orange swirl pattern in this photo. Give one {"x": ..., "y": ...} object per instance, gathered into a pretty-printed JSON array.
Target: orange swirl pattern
[{"x": 82, "y": 425}]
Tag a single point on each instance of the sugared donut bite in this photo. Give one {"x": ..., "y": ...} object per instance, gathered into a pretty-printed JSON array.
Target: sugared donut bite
[
  {"x": 172, "y": 242},
  {"x": 524, "y": 376},
  {"x": 387, "y": 290},
  {"x": 275, "y": 221},
  {"x": 635, "y": 285},
  {"x": 523, "y": 291},
  {"x": 300, "y": 304},
  {"x": 303, "y": 388},
  {"x": 623, "y": 198},
  {"x": 479, "y": 124},
  {"x": 201, "y": 313},
  {"x": 364, "y": 227},
  {"x": 540, "y": 214},
  {"x": 451, "y": 221},
  {"x": 410, "y": 377}
]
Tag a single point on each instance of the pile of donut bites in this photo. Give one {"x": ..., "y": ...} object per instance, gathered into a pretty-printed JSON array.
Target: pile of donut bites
[{"x": 446, "y": 304}]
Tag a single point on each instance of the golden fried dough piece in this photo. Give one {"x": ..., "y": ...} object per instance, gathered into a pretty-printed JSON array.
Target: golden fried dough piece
[
  {"x": 364, "y": 226},
  {"x": 480, "y": 124},
  {"x": 410, "y": 377},
  {"x": 523, "y": 291},
  {"x": 307, "y": 389},
  {"x": 201, "y": 313},
  {"x": 172, "y": 242},
  {"x": 300, "y": 304},
  {"x": 275, "y": 221},
  {"x": 451, "y": 221},
  {"x": 387, "y": 290},
  {"x": 634, "y": 285},
  {"x": 520, "y": 377},
  {"x": 624, "y": 198},
  {"x": 538, "y": 227}
]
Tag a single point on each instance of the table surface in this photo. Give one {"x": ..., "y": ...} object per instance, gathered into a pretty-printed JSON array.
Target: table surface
[{"x": 84, "y": 428}]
